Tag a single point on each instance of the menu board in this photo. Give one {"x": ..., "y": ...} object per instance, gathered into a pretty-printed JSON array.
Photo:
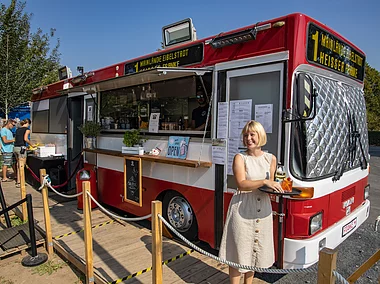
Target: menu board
[
  {"x": 330, "y": 52},
  {"x": 179, "y": 57},
  {"x": 133, "y": 180}
]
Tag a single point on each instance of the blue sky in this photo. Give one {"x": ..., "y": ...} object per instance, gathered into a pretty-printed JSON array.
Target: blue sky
[{"x": 98, "y": 33}]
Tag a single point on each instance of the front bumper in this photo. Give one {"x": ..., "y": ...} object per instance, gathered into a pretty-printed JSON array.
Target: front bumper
[{"x": 303, "y": 253}]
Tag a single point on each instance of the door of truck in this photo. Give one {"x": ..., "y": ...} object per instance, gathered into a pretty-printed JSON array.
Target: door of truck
[
  {"x": 74, "y": 136},
  {"x": 263, "y": 86}
]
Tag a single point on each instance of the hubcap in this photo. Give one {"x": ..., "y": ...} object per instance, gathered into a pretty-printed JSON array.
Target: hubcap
[{"x": 180, "y": 214}]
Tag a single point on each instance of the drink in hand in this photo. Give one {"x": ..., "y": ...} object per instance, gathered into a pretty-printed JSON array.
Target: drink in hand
[{"x": 287, "y": 184}]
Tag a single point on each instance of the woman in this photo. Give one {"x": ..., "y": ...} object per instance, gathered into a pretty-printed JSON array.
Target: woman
[
  {"x": 248, "y": 232},
  {"x": 21, "y": 138}
]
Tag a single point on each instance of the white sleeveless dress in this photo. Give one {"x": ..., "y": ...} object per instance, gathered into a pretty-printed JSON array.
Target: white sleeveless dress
[{"x": 248, "y": 231}]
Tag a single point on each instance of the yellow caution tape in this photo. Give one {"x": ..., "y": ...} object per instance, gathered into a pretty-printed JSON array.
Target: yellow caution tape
[
  {"x": 81, "y": 230},
  {"x": 150, "y": 268}
]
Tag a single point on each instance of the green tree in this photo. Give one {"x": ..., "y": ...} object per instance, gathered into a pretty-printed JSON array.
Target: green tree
[
  {"x": 26, "y": 58},
  {"x": 372, "y": 97}
]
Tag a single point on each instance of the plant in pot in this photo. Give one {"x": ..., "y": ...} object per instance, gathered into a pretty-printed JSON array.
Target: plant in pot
[
  {"x": 132, "y": 142},
  {"x": 90, "y": 130}
]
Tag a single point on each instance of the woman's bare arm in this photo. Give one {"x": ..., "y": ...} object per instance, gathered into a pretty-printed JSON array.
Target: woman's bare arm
[
  {"x": 26, "y": 137},
  {"x": 249, "y": 185}
]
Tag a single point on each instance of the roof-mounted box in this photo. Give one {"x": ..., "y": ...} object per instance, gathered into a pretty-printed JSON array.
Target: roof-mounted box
[
  {"x": 64, "y": 73},
  {"x": 179, "y": 32}
]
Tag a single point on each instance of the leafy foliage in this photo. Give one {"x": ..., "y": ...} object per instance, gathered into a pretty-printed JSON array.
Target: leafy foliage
[
  {"x": 48, "y": 267},
  {"x": 16, "y": 221},
  {"x": 26, "y": 59},
  {"x": 131, "y": 138},
  {"x": 372, "y": 97},
  {"x": 90, "y": 129}
]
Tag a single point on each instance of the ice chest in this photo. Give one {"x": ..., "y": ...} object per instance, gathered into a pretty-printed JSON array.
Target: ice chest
[{"x": 45, "y": 151}]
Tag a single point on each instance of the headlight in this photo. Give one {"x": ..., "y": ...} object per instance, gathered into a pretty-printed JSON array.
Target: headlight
[
  {"x": 315, "y": 223},
  {"x": 366, "y": 192}
]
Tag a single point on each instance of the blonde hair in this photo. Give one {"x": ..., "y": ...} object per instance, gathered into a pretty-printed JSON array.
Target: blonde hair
[{"x": 255, "y": 126}]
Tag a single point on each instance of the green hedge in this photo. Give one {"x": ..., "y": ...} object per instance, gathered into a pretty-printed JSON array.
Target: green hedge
[{"x": 374, "y": 138}]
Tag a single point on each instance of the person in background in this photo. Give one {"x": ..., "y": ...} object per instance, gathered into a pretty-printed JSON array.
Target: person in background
[
  {"x": 22, "y": 137},
  {"x": 7, "y": 141},
  {"x": 248, "y": 231},
  {"x": 199, "y": 115}
]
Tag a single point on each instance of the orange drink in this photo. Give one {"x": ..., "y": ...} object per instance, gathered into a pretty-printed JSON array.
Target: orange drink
[{"x": 287, "y": 184}]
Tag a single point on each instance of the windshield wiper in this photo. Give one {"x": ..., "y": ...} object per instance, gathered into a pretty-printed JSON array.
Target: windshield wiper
[
  {"x": 349, "y": 150},
  {"x": 356, "y": 135}
]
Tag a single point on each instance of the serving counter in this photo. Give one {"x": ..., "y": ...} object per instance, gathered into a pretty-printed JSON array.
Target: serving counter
[{"x": 151, "y": 158}]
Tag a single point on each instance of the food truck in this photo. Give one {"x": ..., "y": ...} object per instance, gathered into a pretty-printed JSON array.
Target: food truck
[{"x": 299, "y": 78}]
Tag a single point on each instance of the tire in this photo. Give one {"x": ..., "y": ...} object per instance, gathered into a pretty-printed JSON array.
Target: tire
[{"x": 179, "y": 213}]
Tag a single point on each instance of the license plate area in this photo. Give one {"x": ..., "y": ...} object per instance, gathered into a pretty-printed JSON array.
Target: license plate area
[{"x": 349, "y": 227}]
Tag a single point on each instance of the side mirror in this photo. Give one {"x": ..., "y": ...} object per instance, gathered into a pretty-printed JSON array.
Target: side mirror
[{"x": 305, "y": 95}]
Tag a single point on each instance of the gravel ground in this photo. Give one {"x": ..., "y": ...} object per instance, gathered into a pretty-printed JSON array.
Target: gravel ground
[{"x": 361, "y": 245}]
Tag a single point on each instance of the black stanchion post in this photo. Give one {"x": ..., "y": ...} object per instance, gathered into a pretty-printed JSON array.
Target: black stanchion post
[
  {"x": 4, "y": 206},
  {"x": 32, "y": 233},
  {"x": 280, "y": 232},
  {"x": 35, "y": 259}
]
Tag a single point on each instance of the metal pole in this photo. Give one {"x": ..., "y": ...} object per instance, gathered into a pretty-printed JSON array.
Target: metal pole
[
  {"x": 280, "y": 231},
  {"x": 32, "y": 233},
  {"x": 34, "y": 259},
  {"x": 4, "y": 206}
]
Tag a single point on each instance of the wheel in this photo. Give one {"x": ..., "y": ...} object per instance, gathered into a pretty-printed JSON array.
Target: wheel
[{"x": 178, "y": 212}]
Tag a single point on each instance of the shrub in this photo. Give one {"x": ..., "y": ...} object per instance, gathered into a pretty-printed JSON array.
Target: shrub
[{"x": 90, "y": 129}]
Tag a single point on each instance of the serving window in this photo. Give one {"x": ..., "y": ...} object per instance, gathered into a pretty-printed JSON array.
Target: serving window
[
  {"x": 174, "y": 100},
  {"x": 50, "y": 116}
]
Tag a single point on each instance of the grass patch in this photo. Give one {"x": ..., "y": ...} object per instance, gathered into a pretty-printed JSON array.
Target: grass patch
[
  {"x": 48, "y": 267},
  {"x": 5, "y": 281},
  {"x": 16, "y": 221}
]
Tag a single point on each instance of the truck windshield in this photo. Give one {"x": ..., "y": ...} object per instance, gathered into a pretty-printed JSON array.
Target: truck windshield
[{"x": 326, "y": 146}]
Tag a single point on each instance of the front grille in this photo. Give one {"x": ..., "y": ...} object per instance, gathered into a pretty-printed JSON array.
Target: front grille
[{"x": 348, "y": 193}]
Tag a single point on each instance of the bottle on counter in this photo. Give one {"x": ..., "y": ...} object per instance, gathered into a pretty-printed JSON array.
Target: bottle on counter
[
  {"x": 186, "y": 122},
  {"x": 180, "y": 123},
  {"x": 280, "y": 174}
]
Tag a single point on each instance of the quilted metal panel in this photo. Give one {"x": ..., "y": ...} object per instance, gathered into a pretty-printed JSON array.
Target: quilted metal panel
[{"x": 327, "y": 135}]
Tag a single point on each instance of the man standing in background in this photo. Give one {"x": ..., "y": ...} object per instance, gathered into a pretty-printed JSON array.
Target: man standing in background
[
  {"x": 7, "y": 142},
  {"x": 199, "y": 115}
]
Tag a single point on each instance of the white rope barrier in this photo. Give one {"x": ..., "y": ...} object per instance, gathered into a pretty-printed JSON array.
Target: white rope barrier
[
  {"x": 117, "y": 216},
  {"x": 236, "y": 265},
  {"x": 46, "y": 181},
  {"x": 340, "y": 278}
]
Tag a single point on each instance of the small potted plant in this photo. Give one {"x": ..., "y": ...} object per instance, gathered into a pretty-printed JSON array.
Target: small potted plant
[
  {"x": 132, "y": 143},
  {"x": 90, "y": 130}
]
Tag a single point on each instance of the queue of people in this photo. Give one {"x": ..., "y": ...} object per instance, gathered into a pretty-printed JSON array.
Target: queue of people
[{"x": 13, "y": 148}]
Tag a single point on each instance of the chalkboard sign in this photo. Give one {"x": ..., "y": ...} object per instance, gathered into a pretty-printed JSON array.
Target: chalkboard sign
[{"x": 133, "y": 180}]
